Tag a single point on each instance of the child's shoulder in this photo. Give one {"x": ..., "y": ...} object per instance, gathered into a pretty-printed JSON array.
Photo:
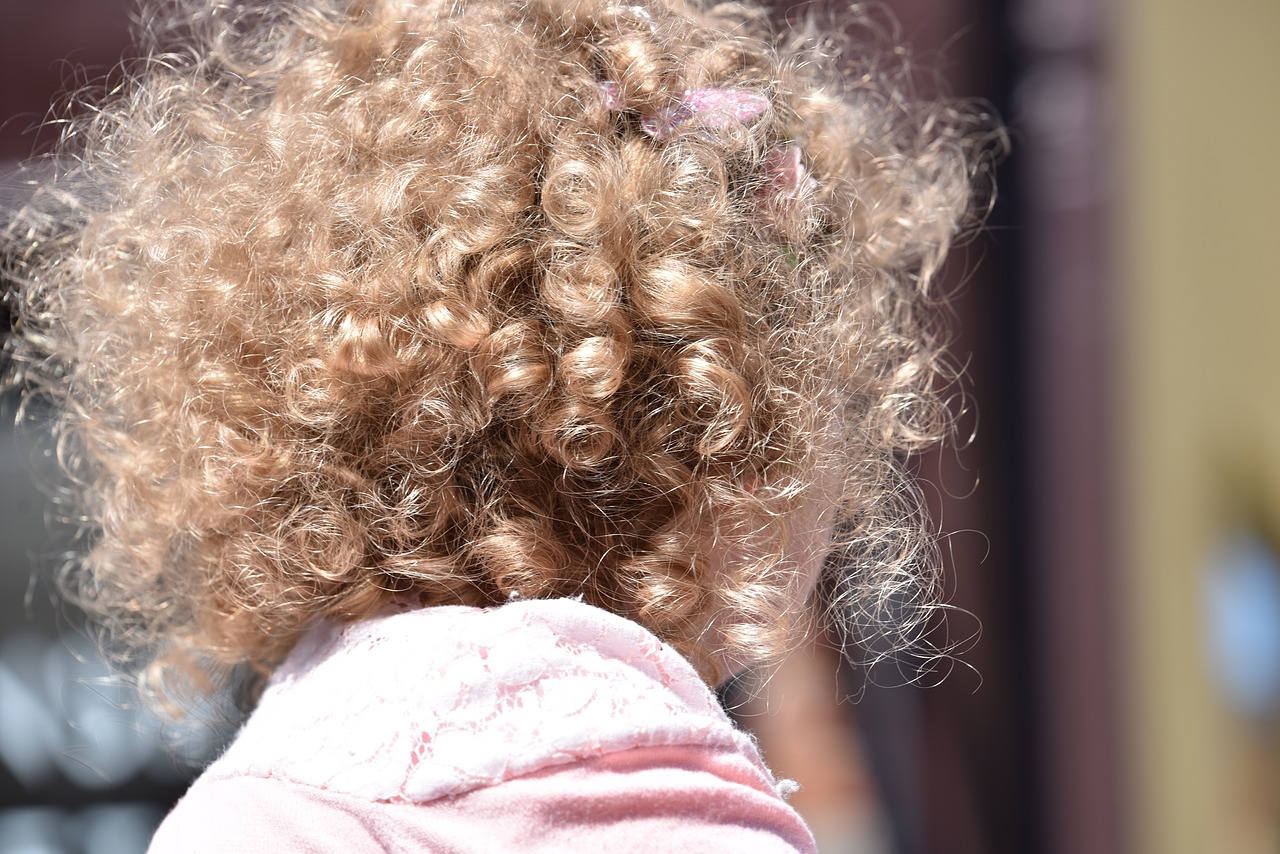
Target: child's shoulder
[{"x": 422, "y": 704}]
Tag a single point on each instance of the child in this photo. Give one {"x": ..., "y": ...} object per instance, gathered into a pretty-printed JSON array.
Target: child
[{"x": 486, "y": 378}]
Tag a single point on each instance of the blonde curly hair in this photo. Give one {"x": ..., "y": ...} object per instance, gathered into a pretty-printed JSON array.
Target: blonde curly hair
[{"x": 352, "y": 299}]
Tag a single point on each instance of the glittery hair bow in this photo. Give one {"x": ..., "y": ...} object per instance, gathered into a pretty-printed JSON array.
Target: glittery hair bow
[{"x": 715, "y": 108}]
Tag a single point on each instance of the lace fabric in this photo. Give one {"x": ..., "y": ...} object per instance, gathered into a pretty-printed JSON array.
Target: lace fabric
[{"x": 423, "y": 704}]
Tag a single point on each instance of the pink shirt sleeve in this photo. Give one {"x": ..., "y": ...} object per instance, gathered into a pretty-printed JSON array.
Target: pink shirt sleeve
[{"x": 642, "y": 800}]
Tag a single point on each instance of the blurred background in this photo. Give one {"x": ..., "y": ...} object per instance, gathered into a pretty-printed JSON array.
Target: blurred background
[{"x": 1113, "y": 528}]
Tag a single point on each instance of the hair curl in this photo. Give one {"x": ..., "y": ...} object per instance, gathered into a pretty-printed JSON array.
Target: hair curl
[{"x": 348, "y": 299}]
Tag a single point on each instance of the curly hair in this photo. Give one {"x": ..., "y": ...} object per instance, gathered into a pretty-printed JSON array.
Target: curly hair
[{"x": 345, "y": 300}]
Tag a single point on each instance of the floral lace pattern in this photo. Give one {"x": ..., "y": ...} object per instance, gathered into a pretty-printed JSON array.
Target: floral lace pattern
[{"x": 426, "y": 703}]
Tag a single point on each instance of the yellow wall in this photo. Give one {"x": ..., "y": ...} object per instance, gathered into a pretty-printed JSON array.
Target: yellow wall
[{"x": 1198, "y": 116}]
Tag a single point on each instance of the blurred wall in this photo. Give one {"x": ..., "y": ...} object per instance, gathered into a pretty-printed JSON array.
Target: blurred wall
[{"x": 1201, "y": 420}]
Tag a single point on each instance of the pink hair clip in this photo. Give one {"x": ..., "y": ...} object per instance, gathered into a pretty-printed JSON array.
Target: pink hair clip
[
  {"x": 789, "y": 180},
  {"x": 790, "y": 177},
  {"x": 715, "y": 108},
  {"x": 612, "y": 100},
  {"x": 790, "y": 184}
]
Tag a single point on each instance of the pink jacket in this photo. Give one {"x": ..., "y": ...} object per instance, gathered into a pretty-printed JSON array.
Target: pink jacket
[{"x": 538, "y": 726}]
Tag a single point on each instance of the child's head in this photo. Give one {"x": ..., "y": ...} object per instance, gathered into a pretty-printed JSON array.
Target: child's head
[{"x": 464, "y": 300}]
